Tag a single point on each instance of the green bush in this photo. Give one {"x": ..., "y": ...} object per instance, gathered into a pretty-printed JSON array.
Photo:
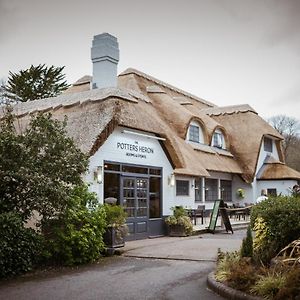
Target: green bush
[
  {"x": 225, "y": 262},
  {"x": 76, "y": 237},
  {"x": 281, "y": 218},
  {"x": 247, "y": 244},
  {"x": 19, "y": 246},
  {"x": 180, "y": 218},
  {"x": 115, "y": 215},
  {"x": 267, "y": 286}
]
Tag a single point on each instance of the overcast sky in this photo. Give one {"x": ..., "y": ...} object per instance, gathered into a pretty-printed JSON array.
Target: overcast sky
[{"x": 225, "y": 51}]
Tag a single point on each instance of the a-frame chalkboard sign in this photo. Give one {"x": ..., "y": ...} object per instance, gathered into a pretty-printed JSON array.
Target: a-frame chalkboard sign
[{"x": 219, "y": 206}]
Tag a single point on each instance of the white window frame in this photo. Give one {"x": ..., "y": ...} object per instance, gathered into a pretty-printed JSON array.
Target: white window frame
[
  {"x": 218, "y": 139},
  {"x": 200, "y": 133}
]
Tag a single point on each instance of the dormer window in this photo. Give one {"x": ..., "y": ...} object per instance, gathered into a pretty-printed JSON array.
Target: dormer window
[
  {"x": 268, "y": 144},
  {"x": 218, "y": 140},
  {"x": 195, "y": 133}
]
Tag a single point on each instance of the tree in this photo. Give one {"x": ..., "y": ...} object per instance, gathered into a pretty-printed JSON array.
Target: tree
[
  {"x": 37, "y": 82},
  {"x": 39, "y": 168},
  {"x": 289, "y": 128}
]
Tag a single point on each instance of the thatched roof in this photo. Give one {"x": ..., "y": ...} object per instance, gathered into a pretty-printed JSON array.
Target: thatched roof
[
  {"x": 145, "y": 103},
  {"x": 246, "y": 131},
  {"x": 277, "y": 171}
]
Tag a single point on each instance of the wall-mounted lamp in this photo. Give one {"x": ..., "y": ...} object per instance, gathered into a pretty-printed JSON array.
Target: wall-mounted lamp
[
  {"x": 98, "y": 174},
  {"x": 171, "y": 180}
]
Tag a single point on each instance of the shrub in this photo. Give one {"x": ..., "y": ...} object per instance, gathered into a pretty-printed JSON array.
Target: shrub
[
  {"x": 38, "y": 168},
  {"x": 225, "y": 263},
  {"x": 115, "y": 215},
  {"x": 247, "y": 244},
  {"x": 180, "y": 218},
  {"x": 19, "y": 246},
  {"x": 280, "y": 217},
  {"x": 242, "y": 275},
  {"x": 291, "y": 289},
  {"x": 76, "y": 237},
  {"x": 267, "y": 286}
]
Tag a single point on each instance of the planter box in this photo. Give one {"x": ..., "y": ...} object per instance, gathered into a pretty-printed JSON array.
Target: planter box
[
  {"x": 114, "y": 239},
  {"x": 177, "y": 230}
]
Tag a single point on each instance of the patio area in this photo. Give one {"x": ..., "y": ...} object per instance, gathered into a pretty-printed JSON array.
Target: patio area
[{"x": 235, "y": 221}]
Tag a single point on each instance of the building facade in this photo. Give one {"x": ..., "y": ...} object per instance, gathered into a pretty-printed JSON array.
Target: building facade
[{"x": 153, "y": 146}]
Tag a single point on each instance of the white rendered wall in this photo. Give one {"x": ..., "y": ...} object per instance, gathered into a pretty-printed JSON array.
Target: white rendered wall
[
  {"x": 263, "y": 154},
  {"x": 186, "y": 201},
  {"x": 111, "y": 151},
  {"x": 283, "y": 187},
  {"x": 238, "y": 183}
]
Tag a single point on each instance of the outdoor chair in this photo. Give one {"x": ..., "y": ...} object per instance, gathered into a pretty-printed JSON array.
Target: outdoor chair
[{"x": 199, "y": 213}]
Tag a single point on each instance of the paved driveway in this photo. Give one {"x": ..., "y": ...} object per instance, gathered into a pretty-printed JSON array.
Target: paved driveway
[{"x": 165, "y": 268}]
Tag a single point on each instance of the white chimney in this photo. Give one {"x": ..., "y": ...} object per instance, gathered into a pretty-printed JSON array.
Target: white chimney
[{"x": 105, "y": 58}]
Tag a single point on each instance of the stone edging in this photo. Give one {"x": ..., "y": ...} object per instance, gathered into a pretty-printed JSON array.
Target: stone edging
[{"x": 226, "y": 291}]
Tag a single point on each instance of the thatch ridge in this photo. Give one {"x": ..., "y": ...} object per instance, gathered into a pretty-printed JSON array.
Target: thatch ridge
[
  {"x": 164, "y": 84},
  {"x": 229, "y": 110}
]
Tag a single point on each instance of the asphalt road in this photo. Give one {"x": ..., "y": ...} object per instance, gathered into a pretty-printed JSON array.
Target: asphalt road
[{"x": 121, "y": 277}]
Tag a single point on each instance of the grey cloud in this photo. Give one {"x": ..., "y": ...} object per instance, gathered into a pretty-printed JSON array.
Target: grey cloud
[
  {"x": 7, "y": 19},
  {"x": 284, "y": 23},
  {"x": 290, "y": 97}
]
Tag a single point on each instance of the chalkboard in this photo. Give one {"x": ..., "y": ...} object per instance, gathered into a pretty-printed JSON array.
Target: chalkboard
[
  {"x": 225, "y": 217},
  {"x": 219, "y": 205},
  {"x": 214, "y": 216}
]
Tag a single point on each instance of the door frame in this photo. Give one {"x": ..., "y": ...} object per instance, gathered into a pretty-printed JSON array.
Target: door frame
[{"x": 136, "y": 221}]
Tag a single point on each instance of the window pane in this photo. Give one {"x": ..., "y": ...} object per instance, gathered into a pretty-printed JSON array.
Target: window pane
[
  {"x": 268, "y": 144},
  {"x": 272, "y": 192},
  {"x": 194, "y": 133},
  {"x": 155, "y": 197},
  {"x": 112, "y": 186},
  {"x": 211, "y": 189},
  {"x": 155, "y": 171},
  {"x": 132, "y": 169},
  {"x": 218, "y": 140},
  {"x": 182, "y": 187},
  {"x": 111, "y": 167},
  {"x": 226, "y": 190}
]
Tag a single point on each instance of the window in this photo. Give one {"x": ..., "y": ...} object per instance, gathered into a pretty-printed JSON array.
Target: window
[
  {"x": 218, "y": 140},
  {"x": 226, "y": 190},
  {"x": 112, "y": 186},
  {"x": 211, "y": 189},
  {"x": 272, "y": 192},
  {"x": 154, "y": 197},
  {"x": 198, "y": 189},
  {"x": 268, "y": 145},
  {"x": 182, "y": 187},
  {"x": 194, "y": 133}
]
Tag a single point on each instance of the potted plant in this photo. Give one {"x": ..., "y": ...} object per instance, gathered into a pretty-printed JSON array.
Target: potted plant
[
  {"x": 114, "y": 236},
  {"x": 179, "y": 223}
]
